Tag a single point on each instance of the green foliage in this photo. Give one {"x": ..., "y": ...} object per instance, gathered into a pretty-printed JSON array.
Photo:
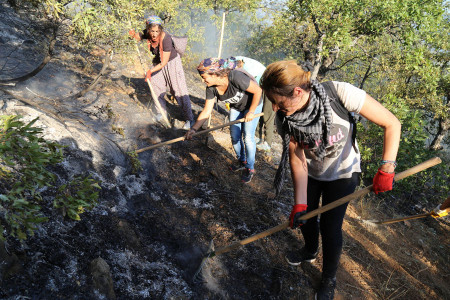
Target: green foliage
[
  {"x": 412, "y": 151},
  {"x": 395, "y": 50},
  {"x": 118, "y": 130},
  {"x": 52, "y": 8},
  {"x": 24, "y": 158},
  {"x": 136, "y": 165},
  {"x": 75, "y": 197}
]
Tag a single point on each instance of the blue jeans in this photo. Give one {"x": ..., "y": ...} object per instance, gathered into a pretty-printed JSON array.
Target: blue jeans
[{"x": 243, "y": 136}]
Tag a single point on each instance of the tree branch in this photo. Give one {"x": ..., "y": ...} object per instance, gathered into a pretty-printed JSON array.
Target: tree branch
[{"x": 41, "y": 66}]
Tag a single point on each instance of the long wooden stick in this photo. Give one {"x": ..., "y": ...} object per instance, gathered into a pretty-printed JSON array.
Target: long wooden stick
[
  {"x": 218, "y": 56},
  {"x": 420, "y": 167},
  {"x": 402, "y": 219},
  {"x": 158, "y": 105},
  {"x": 443, "y": 206},
  {"x": 446, "y": 204},
  {"x": 182, "y": 138},
  {"x": 221, "y": 35}
]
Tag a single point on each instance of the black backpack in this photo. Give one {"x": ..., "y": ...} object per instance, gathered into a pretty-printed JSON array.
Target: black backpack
[{"x": 340, "y": 110}]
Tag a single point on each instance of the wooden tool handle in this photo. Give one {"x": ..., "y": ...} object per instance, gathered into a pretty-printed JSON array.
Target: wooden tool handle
[
  {"x": 446, "y": 204},
  {"x": 420, "y": 167},
  {"x": 403, "y": 219},
  {"x": 158, "y": 105},
  {"x": 195, "y": 134}
]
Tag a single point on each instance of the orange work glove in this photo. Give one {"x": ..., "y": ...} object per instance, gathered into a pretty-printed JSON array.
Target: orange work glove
[
  {"x": 148, "y": 75},
  {"x": 133, "y": 34}
]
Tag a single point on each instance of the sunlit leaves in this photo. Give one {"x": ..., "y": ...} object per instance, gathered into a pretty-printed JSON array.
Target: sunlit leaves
[{"x": 24, "y": 160}]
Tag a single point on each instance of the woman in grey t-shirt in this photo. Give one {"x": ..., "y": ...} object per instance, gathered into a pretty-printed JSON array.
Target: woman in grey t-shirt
[{"x": 324, "y": 163}]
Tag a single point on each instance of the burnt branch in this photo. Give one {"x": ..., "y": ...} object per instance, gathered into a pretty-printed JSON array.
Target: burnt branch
[
  {"x": 96, "y": 79},
  {"x": 47, "y": 58}
]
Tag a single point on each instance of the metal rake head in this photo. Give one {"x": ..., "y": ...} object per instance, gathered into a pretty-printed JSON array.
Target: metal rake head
[{"x": 198, "y": 278}]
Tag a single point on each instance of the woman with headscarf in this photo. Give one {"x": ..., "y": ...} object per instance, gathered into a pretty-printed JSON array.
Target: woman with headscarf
[
  {"x": 167, "y": 69},
  {"x": 323, "y": 156},
  {"x": 239, "y": 89}
]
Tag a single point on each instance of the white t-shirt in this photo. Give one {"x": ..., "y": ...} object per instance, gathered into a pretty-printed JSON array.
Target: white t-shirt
[
  {"x": 252, "y": 66},
  {"x": 341, "y": 159}
]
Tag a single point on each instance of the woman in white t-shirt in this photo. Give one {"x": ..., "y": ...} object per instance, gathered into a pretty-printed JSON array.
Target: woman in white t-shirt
[{"x": 323, "y": 160}]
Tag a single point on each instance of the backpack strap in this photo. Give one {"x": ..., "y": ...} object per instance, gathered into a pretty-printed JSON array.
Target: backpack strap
[
  {"x": 340, "y": 110},
  {"x": 246, "y": 73}
]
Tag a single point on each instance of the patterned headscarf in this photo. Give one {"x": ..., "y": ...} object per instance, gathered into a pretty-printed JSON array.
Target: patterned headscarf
[
  {"x": 154, "y": 20},
  {"x": 212, "y": 65}
]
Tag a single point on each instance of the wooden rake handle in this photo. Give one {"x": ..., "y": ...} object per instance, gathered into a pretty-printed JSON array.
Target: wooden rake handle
[
  {"x": 446, "y": 204},
  {"x": 403, "y": 219},
  {"x": 420, "y": 167},
  {"x": 443, "y": 206},
  {"x": 195, "y": 134},
  {"x": 158, "y": 105}
]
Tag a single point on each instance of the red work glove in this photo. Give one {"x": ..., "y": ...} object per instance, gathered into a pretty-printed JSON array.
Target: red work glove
[
  {"x": 133, "y": 34},
  {"x": 148, "y": 75},
  {"x": 383, "y": 181},
  {"x": 298, "y": 210}
]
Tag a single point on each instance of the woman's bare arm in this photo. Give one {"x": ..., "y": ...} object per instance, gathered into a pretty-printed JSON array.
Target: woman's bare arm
[
  {"x": 299, "y": 172},
  {"x": 373, "y": 111}
]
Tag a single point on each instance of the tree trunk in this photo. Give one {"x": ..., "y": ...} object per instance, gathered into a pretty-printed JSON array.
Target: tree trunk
[
  {"x": 444, "y": 125},
  {"x": 319, "y": 48}
]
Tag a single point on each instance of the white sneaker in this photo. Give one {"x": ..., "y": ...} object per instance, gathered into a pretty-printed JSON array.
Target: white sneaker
[
  {"x": 187, "y": 125},
  {"x": 263, "y": 146}
]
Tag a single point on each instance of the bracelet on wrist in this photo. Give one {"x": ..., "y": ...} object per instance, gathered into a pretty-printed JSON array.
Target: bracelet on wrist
[{"x": 392, "y": 162}]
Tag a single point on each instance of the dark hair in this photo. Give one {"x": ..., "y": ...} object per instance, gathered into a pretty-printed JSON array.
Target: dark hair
[{"x": 149, "y": 26}]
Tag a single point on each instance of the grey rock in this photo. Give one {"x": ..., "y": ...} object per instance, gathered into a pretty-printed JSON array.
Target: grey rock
[
  {"x": 9, "y": 263},
  {"x": 101, "y": 278}
]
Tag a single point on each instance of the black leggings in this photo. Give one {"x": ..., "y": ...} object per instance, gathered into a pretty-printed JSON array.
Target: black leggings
[{"x": 330, "y": 221}]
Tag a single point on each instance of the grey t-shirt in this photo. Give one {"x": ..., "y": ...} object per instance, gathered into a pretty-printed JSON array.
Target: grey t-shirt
[
  {"x": 341, "y": 159},
  {"x": 236, "y": 93}
]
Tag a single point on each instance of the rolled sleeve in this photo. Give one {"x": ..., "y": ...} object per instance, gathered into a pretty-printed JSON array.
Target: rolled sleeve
[{"x": 352, "y": 97}]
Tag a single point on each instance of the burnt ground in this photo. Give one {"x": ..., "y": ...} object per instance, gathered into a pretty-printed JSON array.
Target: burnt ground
[{"x": 153, "y": 228}]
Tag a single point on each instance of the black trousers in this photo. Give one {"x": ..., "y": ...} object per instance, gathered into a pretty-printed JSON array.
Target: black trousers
[{"x": 330, "y": 225}]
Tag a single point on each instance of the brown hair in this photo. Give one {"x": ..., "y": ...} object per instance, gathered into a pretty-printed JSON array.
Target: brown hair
[
  {"x": 282, "y": 77},
  {"x": 221, "y": 72},
  {"x": 150, "y": 26}
]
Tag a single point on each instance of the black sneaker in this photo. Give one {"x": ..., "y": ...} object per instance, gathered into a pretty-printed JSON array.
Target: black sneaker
[
  {"x": 295, "y": 258},
  {"x": 237, "y": 166},
  {"x": 326, "y": 289},
  {"x": 247, "y": 175}
]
